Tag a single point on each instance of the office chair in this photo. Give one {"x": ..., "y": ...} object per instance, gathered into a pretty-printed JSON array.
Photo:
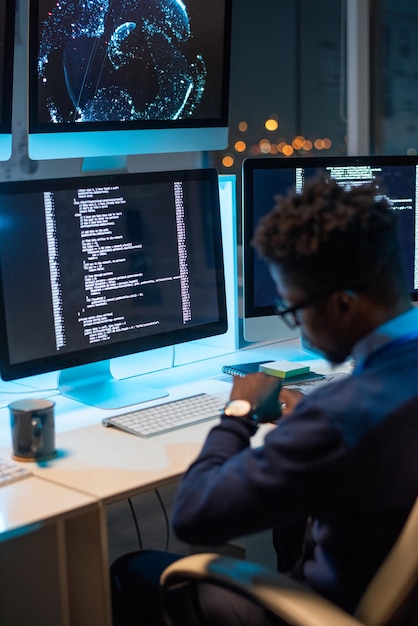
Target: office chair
[{"x": 391, "y": 598}]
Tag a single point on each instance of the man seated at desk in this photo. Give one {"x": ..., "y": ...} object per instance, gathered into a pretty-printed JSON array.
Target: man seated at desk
[{"x": 344, "y": 456}]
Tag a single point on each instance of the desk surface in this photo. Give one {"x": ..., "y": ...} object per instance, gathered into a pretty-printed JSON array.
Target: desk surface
[
  {"x": 109, "y": 464},
  {"x": 32, "y": 501},
  {"x": 98, "y": 465}
]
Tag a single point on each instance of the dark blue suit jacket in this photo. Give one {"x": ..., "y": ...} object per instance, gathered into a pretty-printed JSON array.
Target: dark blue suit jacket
[{"x": 347, "y": 457}]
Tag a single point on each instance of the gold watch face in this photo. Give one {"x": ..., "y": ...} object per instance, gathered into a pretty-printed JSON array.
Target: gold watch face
[{"x": 238, "y": 408}]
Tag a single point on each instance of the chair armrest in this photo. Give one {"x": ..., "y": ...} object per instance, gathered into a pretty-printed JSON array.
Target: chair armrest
[{"x": 276, "y": 592}]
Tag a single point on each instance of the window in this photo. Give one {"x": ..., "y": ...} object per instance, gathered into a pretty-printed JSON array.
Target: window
[
  {"x": 287, "y": 81},
  {"x": 394, "y": 94}
]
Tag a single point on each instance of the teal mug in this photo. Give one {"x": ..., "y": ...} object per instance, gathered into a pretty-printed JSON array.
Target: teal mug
[{"x": 33, "y": 429}]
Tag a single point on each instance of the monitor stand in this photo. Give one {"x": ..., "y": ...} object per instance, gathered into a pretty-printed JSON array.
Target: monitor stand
[
  {"x": 94, "y": 384},
  {"x": 104, "y": 165}
]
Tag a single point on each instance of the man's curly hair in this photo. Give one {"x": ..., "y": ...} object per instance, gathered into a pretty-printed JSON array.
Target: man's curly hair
[{"x": 332, "y": 237}]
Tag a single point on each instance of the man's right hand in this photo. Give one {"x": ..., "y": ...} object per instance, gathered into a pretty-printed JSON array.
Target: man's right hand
[{"x": 262, "y": 392}]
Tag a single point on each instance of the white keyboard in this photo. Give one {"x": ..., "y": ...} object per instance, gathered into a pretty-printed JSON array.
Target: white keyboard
[
  {"x": 168, "y": 416},
  {"x": 11, "y": 472}
]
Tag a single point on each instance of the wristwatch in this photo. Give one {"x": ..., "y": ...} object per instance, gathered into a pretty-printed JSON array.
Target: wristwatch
[
  {"x": 240, "y": 408},
  {"x": 243, "y": 409}
]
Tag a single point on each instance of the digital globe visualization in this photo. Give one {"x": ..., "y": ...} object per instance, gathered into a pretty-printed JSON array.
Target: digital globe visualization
[{"x": 118, "y": 60}]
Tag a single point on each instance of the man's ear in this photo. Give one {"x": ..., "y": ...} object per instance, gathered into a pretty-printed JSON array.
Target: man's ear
[{"x": 346, "y": 300}]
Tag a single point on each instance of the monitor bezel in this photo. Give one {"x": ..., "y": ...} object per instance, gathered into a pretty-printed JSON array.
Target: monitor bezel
[
  {"x": 266, "y": 314},
  {"x": 92, "y": 139},
  {"x": 13, "y": 371},
  {"x": 6, "y": 112}
]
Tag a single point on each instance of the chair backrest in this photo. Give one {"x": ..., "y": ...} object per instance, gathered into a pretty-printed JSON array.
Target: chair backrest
[
  {"x": 393, "y": 591},
  {"x": 391, "y": 598},
  {"x": 278, "y": 593}
]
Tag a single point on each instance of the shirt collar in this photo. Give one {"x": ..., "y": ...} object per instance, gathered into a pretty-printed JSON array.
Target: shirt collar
[{"x": 396, "y": 328}]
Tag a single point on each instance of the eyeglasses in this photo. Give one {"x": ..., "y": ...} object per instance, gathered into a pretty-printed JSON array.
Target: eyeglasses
[{"x": 289, "y": 314}]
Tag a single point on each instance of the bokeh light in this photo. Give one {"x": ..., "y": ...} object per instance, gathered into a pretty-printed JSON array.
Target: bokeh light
[
  {"x": 240, "y": 146},
  {"x": 228, "y": 160},
  {"x": 271, "y": 124},
  {"x": 288, "y": 150},
  {"x": 265, "y": 146},
  {"x": 297, "y": 143}
]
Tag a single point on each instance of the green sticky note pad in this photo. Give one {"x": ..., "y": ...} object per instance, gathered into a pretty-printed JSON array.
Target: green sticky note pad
[{"x": 284, "y": 369}]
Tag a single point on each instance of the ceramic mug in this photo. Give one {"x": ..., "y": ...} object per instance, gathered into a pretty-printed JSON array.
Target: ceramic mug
[{"x": 33, "y": 429}]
